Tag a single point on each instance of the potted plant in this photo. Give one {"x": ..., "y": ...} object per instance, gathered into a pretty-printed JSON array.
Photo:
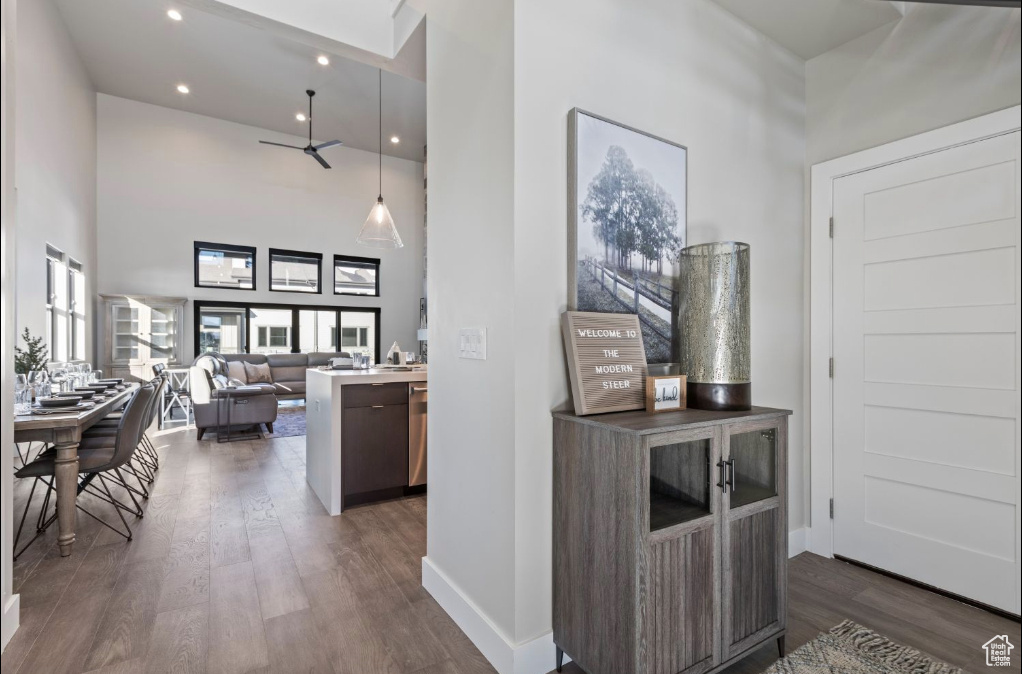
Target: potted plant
[{"x": 34, "y": 357}]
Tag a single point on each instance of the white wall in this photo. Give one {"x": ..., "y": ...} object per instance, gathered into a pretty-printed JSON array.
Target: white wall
[
  {"x": 936, "y": 66},
  {"x": 169, "y": 178},
  {"x": 9, "y": 603},
  {"x": 469, "y": 113},
  {"x": 690, "y": 72},
  {"x": 56, "y": 158}
]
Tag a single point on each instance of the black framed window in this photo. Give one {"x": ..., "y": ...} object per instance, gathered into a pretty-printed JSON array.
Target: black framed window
[
  {"x": 294, "y": 271},
  {"x": 356, "y": 275},
  {"x": 221, "y": 265},
  {"x": 262, "y": 327}
]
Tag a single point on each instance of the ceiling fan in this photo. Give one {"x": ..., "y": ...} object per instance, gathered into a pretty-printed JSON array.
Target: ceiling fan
[{"x": 310, "y": 149}]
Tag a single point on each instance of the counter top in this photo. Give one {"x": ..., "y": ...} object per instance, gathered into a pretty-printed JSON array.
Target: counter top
[{"x": 373, "y": 376}]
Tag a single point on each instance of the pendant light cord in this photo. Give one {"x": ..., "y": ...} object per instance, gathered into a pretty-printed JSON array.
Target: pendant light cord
[{"x": 380, "y": 88}]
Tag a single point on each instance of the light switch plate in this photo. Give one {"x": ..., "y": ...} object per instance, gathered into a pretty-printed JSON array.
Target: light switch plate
[{"x": 472, "y": 343}]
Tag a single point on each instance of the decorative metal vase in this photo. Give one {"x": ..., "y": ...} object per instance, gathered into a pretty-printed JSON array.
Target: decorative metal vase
[{"x": 714, "y": 325}]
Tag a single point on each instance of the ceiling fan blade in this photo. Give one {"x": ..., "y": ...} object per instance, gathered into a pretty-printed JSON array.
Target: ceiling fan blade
[
  {"x": 293, "y": 147},
  {"x": 315, "y": 155},
  {"x": 329, "y": 143}
]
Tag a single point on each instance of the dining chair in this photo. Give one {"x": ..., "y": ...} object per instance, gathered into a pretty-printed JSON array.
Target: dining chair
[
  {"x": 100, "y": 458},
  {"x": 145, "y": 462}
]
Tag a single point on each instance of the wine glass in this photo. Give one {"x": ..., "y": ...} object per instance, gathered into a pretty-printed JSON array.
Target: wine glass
[
  {"x": 59, "y": 376},
  {"x": 39, "y": 380},
  {"x": 22, "y": 395}
]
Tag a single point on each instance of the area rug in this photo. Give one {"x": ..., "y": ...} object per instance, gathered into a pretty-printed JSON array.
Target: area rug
[
  {"x": 850, "y": 648},
  {"x": 290, "y": 422}
]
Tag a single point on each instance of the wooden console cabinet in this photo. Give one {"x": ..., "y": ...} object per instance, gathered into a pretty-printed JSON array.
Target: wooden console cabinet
[{"x": 670, "y": 539}]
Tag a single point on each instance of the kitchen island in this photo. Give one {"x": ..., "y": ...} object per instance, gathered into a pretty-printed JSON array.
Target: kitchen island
[{"x": 365, "y": 434}]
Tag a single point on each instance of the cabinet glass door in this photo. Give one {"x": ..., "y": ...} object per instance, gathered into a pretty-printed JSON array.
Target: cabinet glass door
[
  {"x": 679, "y": 482},
  {"x": 126, "y": 326},
  {"x": 754, "y": 532},
  {"x": 162, "y": 332},
  {"x": 752, "y": 473}
]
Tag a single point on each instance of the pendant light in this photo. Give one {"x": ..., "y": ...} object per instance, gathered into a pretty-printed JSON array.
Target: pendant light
[{"x": 379, "y": 230}]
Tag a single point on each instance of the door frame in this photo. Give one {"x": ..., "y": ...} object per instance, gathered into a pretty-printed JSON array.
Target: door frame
[{"x": 820, "y": 534}]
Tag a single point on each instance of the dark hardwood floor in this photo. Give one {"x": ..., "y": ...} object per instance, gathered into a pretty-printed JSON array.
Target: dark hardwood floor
[{"x": 237, "y": 568}]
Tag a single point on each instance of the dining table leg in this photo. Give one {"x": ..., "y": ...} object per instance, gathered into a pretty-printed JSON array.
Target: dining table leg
[{"x": 66, "y": 473}]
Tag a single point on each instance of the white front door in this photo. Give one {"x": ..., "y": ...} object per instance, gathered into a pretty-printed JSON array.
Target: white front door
[{"x": 927, "y": 369}]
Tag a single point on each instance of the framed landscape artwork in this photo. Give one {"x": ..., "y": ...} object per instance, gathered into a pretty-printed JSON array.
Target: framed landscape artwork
[{"x": 627, "y": 204}]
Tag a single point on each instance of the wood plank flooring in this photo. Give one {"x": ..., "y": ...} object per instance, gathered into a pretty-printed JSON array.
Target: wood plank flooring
[{"x": 237, "y": 568}]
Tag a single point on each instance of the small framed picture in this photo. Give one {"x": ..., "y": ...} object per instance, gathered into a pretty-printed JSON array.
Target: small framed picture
[{"x": 666, "y": 393}]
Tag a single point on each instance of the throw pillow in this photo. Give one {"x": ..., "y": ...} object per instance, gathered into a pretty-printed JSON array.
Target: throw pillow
[
  {"x": 258, "y": 374},
  {"x": 236, "y": 370}
]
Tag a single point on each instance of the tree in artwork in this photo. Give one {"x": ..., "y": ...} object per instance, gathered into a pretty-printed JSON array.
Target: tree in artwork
[{"x": 631, "y": 214}]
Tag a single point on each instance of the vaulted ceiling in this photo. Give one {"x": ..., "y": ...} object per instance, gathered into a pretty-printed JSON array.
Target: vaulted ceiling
[
  {"x": 242, "y": 72},
  {"x": 809, "y": 28}
]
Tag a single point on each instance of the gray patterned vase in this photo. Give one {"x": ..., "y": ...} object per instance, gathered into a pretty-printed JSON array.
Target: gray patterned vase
[{"x": 714, "y": 325}]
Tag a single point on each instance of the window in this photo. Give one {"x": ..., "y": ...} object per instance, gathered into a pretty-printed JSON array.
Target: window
[
  {"x": 221, "y": 330},
  {"x": 243, "y": 327},
  {"x": 66, "y": 306},
  {"x": 273, "y": 336},
  {"x": 356, "y": 275},
  {"x": 295, "y": 272},
  {"x": 76, "y": 308},
  {"x": 355, "y": 337},
  {"x": 219, "y": 265}
]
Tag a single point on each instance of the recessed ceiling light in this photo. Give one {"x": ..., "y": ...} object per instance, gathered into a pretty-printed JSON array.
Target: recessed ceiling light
[
  {"x": 301, "y": 117},
  {"x": 174, "y": 14},
  {"x": 323, "y": 61},
  {"x": 182, "y": 88},
  {"x": 395, "y": 140}
]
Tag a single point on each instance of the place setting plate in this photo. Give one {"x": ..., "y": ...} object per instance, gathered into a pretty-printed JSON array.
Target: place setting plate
[{"x": 61, "y": 405}]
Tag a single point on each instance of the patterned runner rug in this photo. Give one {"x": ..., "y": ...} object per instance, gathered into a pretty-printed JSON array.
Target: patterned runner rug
[{"x": 850, "y": 648}]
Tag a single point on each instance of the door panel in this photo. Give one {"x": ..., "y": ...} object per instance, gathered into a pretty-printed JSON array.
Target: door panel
[
  {"x": 927, "y": 369},
  {"x": 753, "y": 572},
  {"x": 754, "y": 541},
  {"x": 374, "y": 447},
  {"x": 683, "y": 608},
  {"x": 681, "y": 570}
]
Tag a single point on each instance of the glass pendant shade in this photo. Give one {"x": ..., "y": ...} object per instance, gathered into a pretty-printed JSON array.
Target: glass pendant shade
[{"x": 379, "y": 230}]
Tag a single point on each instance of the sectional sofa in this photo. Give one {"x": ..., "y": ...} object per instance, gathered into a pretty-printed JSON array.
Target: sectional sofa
[{"x": 287, "y": 370}]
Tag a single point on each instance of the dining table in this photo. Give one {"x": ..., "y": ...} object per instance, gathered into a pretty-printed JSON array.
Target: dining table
[{"x": 64, "y": 432}]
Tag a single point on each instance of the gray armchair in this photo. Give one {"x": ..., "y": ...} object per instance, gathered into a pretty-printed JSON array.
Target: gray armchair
[{"x": 251, "y": 405}]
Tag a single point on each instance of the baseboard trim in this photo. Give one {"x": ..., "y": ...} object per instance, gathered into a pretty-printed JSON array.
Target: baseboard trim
[
  {"x": 798, "y": 541},
  {"x": 536, "y": 656},
  {"x": 11, "y": 619}
]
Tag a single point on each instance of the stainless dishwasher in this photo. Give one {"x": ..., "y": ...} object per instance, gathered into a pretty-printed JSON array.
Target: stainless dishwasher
[{"x": 418, "y": 395}]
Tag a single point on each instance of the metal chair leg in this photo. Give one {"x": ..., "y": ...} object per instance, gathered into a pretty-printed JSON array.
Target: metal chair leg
[{"x": 17, "y": 536}]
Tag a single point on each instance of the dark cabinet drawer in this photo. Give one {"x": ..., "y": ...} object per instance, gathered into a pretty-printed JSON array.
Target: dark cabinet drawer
[
  {"x": 367, "y": 395},
  {"x": 374, "y": 448}
]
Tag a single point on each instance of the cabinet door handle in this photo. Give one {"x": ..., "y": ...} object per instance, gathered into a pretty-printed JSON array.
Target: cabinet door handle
[
  {"x": 722, "y": 466},
  {"x": 731, "y": 482},
  {"x": 377, "y": 407}
]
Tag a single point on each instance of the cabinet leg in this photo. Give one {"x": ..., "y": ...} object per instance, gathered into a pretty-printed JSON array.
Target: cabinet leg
[
  {"x": 560, "y": 658},
  {"x": 780, "y": 646}
]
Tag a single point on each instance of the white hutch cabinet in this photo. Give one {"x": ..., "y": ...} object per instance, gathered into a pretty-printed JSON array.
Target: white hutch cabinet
[{"x": 141, "y": 331}]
